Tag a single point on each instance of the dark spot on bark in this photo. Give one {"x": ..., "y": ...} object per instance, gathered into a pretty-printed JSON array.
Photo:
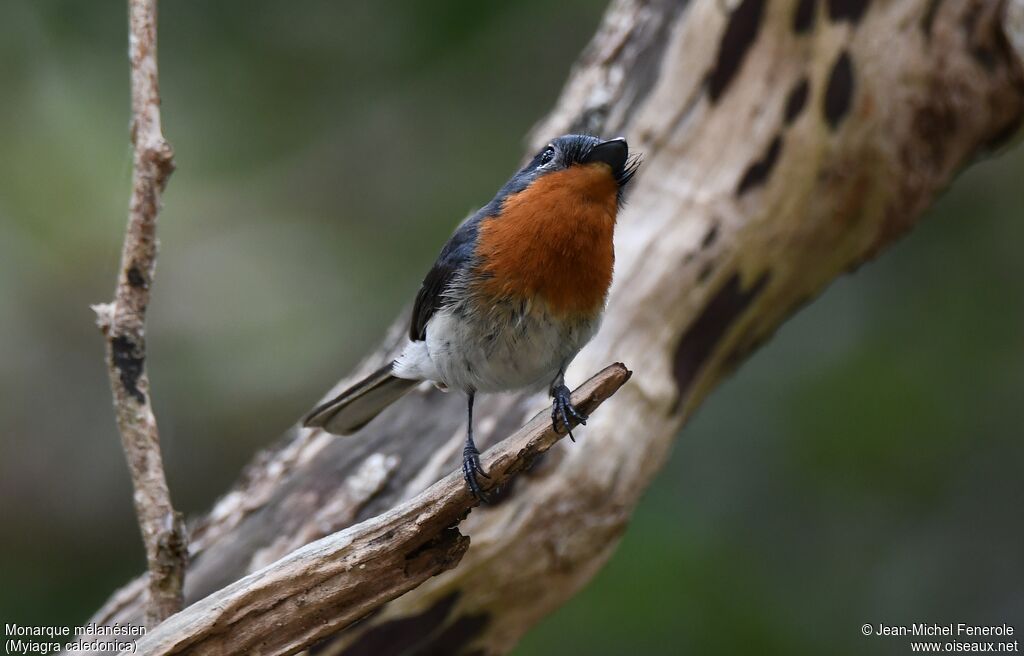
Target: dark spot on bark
[
  {"x": 704, "y": 333},
  {"x": 135, "y": 277},
  {"x": 797, "y": 100},
  {"x": 848, "y": 10},
  {"x": 739, "y": 36},
  {"x": 455, "y": 636},
  {"x": 839, "y": 92},
  {"x": 705, "y": 272},
  {"x": 933, "y": 126},
  {"x": 127, "y": 356},
  {"x": 979, "y": 34},
  {"x": 404, "y": 634},
  {"x": 928, "y": 18},
  {"x": 985, "y": 57},
  {"x": 710, "y": 236},
  {"x": 803, "y": 17},
  {"x": 757, "y": 173}
]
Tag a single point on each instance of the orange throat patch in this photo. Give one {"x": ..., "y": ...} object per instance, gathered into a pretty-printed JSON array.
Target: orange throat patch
[{"x": 553, "y": 241}]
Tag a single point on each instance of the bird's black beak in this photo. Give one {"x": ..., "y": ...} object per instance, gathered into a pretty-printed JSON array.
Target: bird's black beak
[{"x": 613, "y": 153}]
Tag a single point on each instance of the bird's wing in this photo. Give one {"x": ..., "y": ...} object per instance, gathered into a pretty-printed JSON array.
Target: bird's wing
[{"x": 456, "y": 255}]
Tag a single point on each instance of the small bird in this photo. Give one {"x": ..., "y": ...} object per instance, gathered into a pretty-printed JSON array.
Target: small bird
[{"x": 517, "y": 291}]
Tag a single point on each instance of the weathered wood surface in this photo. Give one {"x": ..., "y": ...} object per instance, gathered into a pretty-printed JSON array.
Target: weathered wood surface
[
  {"x": 327, "y": 585},
  {"x": 785, "y": 142}
]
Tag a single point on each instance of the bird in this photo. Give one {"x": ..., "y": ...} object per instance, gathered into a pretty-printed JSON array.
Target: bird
[{"x": 518, "y": 289}]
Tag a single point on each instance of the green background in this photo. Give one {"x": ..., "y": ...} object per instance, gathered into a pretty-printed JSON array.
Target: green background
[{"x": 865, "y": 466}]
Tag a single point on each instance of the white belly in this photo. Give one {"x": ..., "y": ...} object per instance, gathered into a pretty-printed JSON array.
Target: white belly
[{"x": 510, "y": 347}]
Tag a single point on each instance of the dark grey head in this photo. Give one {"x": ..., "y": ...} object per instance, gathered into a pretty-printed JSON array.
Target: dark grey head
[
  {"x": 575, "y": 150},
  {"x": 572, "y": 149}
]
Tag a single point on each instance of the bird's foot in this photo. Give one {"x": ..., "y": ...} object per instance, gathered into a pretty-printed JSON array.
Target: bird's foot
[
  {"x": 562, "y": 410},
  {"x": 471, "y": 467}
]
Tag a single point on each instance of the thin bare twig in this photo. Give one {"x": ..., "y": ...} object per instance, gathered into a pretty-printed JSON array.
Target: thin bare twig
[
  {"x": 123, "y": 323},
  {"x": 326, "y": 585}
]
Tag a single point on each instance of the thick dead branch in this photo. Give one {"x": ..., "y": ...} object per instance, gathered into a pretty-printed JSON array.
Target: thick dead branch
[
  {"x": 325, "y": 586},
  {"x": 123, "y": 324},
  {"x": 785, "y": 143}
]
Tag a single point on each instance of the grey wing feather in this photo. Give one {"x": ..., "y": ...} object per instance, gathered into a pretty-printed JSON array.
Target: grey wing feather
[
  {"x": 357, "y": 405},
  {"x": 456, "y": 255}
]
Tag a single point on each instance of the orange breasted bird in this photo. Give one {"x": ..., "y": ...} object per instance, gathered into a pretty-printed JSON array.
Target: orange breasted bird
[{"x": 516, "y": 292}]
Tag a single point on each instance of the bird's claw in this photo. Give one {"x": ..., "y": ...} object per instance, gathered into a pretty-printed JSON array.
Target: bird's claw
[
  {"x": 562, "y": 410},
  {"x": 471, "y": 467}
]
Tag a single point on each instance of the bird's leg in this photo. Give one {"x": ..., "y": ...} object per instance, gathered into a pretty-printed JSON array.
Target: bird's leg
[
  {"x": 471, "y": 459},
  {"x": 562, "y": 409}
]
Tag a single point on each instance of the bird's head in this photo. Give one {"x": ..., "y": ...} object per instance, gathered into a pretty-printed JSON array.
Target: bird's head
[{"x": 589, "y": 164}]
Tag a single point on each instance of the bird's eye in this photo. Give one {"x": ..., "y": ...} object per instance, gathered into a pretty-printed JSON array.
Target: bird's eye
[{"x": 547, "y": 155}]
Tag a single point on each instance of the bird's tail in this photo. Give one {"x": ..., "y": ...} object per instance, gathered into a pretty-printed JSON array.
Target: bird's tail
[{"x": 356, "y": 406}]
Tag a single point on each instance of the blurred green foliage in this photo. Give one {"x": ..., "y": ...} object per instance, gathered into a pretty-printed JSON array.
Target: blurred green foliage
[{"x": 863, "y": 467}]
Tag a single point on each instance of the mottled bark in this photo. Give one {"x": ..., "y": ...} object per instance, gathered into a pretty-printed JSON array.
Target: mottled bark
[
  {"x": 123, "y": 323},
  {"x": 785, "y": 142}
]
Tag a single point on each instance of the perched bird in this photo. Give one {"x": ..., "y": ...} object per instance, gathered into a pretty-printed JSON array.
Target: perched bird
[{"x": 516, "y": 292}]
